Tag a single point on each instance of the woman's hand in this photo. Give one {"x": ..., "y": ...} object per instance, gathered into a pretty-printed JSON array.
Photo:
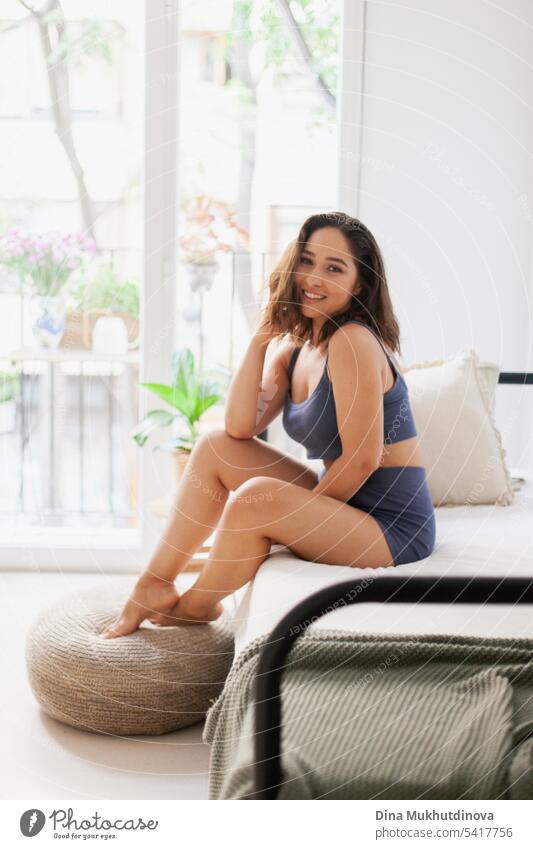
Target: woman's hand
[{"x": 150, "y": 597}]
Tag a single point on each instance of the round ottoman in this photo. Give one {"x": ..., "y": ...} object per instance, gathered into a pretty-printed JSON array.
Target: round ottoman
[{"x": 155, "y": 680}]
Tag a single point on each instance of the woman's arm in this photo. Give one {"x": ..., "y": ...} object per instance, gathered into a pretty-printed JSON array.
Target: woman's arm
[
  {"x": 355, "y": 373},
  {"x": 256, "y": 394}
]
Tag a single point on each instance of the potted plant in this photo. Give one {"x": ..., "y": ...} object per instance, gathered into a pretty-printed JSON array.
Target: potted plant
[
  {"x": 9, "y": 392},
  {"x": 208, "y": 227},
  {"x": 45, "y": 263},
  {"x": 191, "y": 394},
  {"x": 103, "y": 296}
]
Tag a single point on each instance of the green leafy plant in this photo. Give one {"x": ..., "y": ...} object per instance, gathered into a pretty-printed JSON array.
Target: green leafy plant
[
  {"x": 106, "y": 291},
  {"x": 81, "y": 41},
  {"x": 191, "y": 394},
  {"x": 9, "y": 386}
]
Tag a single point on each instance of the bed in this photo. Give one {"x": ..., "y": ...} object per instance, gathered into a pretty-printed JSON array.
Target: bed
[
  {"x": 484, "y": 540},
  {"x": 476, "y": 587}
]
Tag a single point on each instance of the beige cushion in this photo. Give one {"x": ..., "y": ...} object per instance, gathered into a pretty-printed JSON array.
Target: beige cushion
[
  {"x": 460, "y": 443},
  {"x": 150, "y": 682}
]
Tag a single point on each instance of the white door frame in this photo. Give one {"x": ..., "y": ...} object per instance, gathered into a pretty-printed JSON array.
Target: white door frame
[
  {"x": 350, "y": 105},
  {"x": 160, "y": 234}
]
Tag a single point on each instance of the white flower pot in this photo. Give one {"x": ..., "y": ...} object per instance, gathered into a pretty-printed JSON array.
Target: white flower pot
[{"x": 201, "y": 275}]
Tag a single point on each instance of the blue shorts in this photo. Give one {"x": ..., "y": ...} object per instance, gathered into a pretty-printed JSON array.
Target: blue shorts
[{"x": 398, "y": 498}]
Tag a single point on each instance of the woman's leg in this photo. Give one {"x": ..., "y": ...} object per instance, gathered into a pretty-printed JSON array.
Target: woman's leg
[
  {"x": 262, "y": 511},
  {"x": 218, "y": 464}
]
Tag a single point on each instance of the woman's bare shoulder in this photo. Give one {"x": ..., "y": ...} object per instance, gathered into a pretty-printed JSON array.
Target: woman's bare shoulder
[
  {"x": 353, "y": 336},
  {"x": 360, "y": 335}
]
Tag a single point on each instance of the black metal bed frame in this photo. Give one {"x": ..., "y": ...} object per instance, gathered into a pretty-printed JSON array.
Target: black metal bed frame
[{"x": 268, "y": 775}]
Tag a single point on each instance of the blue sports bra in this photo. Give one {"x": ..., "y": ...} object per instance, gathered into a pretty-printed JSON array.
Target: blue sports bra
[{"x": 313, "y": 422}]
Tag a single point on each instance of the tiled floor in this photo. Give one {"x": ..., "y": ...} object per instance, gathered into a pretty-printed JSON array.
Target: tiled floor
[{"x": 44, "y": 759}]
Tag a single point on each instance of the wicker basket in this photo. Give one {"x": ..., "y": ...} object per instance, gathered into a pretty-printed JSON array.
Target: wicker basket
[{"x": 79, "y": 327}]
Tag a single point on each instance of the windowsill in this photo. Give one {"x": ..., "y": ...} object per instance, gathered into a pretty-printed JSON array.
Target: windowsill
[
  {"x": 91, "y": 538},
  {"x": 113, "y": 550}
]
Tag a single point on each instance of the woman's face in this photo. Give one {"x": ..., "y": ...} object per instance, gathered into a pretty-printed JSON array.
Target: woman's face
[{"x": 326, "y": 270}]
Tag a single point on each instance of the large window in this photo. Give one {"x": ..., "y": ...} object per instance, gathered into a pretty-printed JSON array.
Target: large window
[{"x": 154, "y": 161}]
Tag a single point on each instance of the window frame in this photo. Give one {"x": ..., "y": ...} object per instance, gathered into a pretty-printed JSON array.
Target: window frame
[{"x": 350, "y": 108}]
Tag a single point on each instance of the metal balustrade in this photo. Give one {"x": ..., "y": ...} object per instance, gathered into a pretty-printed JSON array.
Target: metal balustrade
[{"x": 72, "y": 397}]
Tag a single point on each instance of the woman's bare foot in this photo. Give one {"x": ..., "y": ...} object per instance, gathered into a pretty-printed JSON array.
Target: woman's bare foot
[
  {"x": 150, "y": 596},
  {"x": 189, "y": 612}
]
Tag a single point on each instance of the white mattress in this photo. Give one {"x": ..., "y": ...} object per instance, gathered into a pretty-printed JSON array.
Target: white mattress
[{"x": 471, "y": 540}]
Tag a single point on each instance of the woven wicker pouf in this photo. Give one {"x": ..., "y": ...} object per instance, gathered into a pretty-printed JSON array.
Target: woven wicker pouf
[{"x": 156, "y": 680}]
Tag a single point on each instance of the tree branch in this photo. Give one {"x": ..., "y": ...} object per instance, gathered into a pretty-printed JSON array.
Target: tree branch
[
  {"x": 37, "y": 13},
  {"x": 305, "y": 54},
  {"x": 28, "y": 8},
  {"x": 59, "y": 86}
]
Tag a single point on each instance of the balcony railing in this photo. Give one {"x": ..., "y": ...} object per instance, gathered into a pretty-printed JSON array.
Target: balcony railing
[
  {"x": 68, "y": 454},
  {"x": 65, "y": 440}
]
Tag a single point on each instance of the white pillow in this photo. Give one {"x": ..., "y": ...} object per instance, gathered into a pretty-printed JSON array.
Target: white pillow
[{"x": 460, "y": 443}]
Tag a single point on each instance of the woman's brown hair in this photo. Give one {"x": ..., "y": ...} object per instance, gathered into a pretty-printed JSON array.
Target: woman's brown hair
[{"x": 372, "y": 305}]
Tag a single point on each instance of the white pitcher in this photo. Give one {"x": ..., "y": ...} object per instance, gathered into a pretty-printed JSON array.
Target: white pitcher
[{"x": 110, "y": 335}]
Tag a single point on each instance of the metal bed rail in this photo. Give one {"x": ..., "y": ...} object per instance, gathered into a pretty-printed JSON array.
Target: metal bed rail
[{"x": 268, "y": 717}]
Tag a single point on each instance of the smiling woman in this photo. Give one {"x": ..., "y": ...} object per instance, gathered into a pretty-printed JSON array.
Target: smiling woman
[{"x": 370, "y": 506}]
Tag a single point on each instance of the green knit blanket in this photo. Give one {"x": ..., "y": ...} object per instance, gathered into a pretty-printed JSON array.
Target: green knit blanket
[{"x": 385, "y": 717}]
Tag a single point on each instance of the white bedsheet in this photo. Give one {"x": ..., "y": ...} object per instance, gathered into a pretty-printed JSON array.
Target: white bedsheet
[{"x": 471, "y": 540}]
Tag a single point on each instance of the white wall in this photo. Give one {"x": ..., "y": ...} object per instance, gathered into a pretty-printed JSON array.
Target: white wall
[
  {"x": 446, "y": 162},
  {"x": 446, "y": 176}
]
